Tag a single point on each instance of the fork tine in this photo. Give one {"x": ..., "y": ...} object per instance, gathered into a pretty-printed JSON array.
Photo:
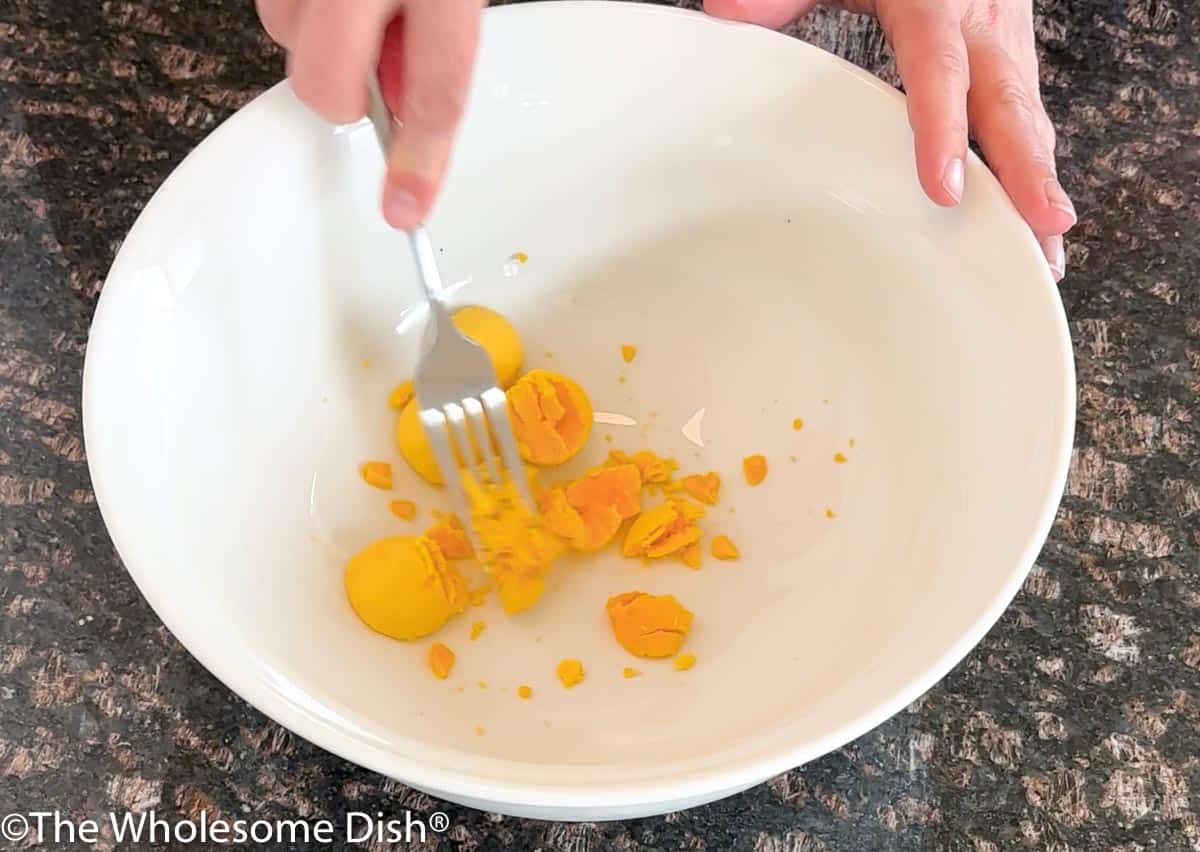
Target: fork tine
[
  {"x": 437, "y": 430},
  {"x": 495, "y": 403},
  {"x": 456, "y": 427},
  {"x": 477, "y": 432}
]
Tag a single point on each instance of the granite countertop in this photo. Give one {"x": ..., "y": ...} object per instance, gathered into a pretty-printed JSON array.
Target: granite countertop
[{"x": 1074, "y": 725}]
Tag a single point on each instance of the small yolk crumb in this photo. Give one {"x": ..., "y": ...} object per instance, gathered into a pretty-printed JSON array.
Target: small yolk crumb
[
  {"x": 797, "y": 424},
  {"x": 704, "y": 488},
  {"x": 829, "y": 514},
  {"x": 551, "y": 417},
  {"x": 724, "y": 549},
  {"x": 479, "y": 730},
  {"x": 448, "y": 534},
  {"x": 629, "y": 672},
  {"x": 851, "y": 443},
  {"x": 692, "y": 556},
  {"x": 377, "y": 474},
  {"x": 517, "y": 549},
  {"x": 628, "y": 352},
  {"x": 441, "y": 660},
  {"x": 648, "y": 625},
  {"x": 482, "y": 684},
  {"x": 570, "y": 672},
  {"x": 589, "y": 511},
  {"x": 520, "y": 256},
  {"x": 663, "y": 530},
  {"x": 685, "y": 661},
  {"x": 755, "y": 469},
  {"x": 400, "y": 395},
  {"x": 792, "y": 459},
  {"x": 403, "y": 587},
  {"x": 477, "y": 628},
  {"x": 405, "y": 510},
  {"x": 839, "y": 458},
  {"x": 525, "y": 691}
]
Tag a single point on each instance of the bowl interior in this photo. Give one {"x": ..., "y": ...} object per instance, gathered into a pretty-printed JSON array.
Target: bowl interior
[{"x": 767, "y": 249}]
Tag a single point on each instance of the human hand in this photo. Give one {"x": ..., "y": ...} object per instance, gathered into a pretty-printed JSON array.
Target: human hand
[
  {"x": 965, "y": 64},
  {"x": 424, "y": 51}
]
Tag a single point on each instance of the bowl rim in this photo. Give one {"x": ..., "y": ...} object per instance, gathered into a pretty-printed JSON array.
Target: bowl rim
[{"x": 670, "y": 784}]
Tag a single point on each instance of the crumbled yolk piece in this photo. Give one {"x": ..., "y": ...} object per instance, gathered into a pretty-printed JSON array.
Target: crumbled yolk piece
[
  {"x": 405, "y": 510},
  {"x": 518, "y": 549},
  {"x": 629, "y": 672},
  {"x": 663, "y": 530},
  {"x": 797, "y": 424},
  {"x": 479, "y": 730},
  {"x": 755, "y": 469},
  {"x": 520, "y": 256},
  {"x": 685, "y": 661},
  {"x": 724, "y": 549},
  {"x": 648, "y": 625},
  {"x": 477, "y": 628},
  {"x": 570, "y": 672},
  {"x": 704, "y": 488},
  {"x": 588, "y": 512},
  {"x": 448, "y": 534},
  {"x": 400, "y": 395},
  {"x": 829, "y": 514},
  {"x": 551, "y": 417},
  {"x": 441, "y": 660},
  {"x": 655, "y": 469},
  {"x": 628, "y": 352},
  {"x": 839, "y": 458},
  {"x": 403, "y": 587},
  {"x": 525, "y": 691},
  {"x": 377, "y": 474},
  {"x": 692, "y": 556}
]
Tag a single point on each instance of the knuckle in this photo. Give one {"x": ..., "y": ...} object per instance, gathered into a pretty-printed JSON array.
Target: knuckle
[
  {"x": 436, "y": 107},
  {"x": 951, "y": 63},
  {"x": 1012, "y": 95}
]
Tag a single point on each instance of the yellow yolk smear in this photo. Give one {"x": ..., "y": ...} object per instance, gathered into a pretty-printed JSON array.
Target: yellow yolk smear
[
  {"x": 450, "y": 537},
  {"x": 755, "y": 469},
  {"x": 517, "y": 548},
  {"x": 588, "y": 512},
  {"x": 663, "y": 530},
  {"x": 551, "y": 417},
  {"x": 570, "y": 672},
  {"x": 704, "y": 488},
  {"x": 648, "y": 625},
  {"x": 403, "y": 587},
  {"x": 441, "y": 660}
]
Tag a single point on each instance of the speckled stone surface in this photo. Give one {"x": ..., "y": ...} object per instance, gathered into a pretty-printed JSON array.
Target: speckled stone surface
[{"x": 1074, "y": 725}]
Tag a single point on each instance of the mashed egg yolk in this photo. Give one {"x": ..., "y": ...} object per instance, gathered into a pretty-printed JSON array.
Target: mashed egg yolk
[
  {"x": 403, "y": 587},
  {"x": 648, "y": 625},
  {"x": 551, "y": 417},
  {"x": 589, "y": 511}
]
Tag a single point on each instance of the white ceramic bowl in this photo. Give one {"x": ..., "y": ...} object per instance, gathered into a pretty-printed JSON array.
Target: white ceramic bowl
[{"x": 741, "y": 206}]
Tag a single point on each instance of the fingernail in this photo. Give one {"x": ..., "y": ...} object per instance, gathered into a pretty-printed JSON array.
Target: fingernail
[
  {"x": 952, "y": 179},
  {"x": 1058, "y": 199},
  {"x": 1056, "y": 256},
  {"x": 400, "y": 207}
]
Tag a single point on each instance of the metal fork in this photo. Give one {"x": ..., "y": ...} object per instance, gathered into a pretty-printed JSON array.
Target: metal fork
[{"x": 454, "y": 381}]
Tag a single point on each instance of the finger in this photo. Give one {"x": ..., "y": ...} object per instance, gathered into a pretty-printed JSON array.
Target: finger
[
  {"x": 336, "y": 47},
  {"x": 931, "y": 57},
  {"x": 766, "y": 13},
  {"x": 1007, "y": 118},
  {"x": 1056, "y": 256},
  {"x": 280, "y": 18},
  {"x": 438, "y": 51}
]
